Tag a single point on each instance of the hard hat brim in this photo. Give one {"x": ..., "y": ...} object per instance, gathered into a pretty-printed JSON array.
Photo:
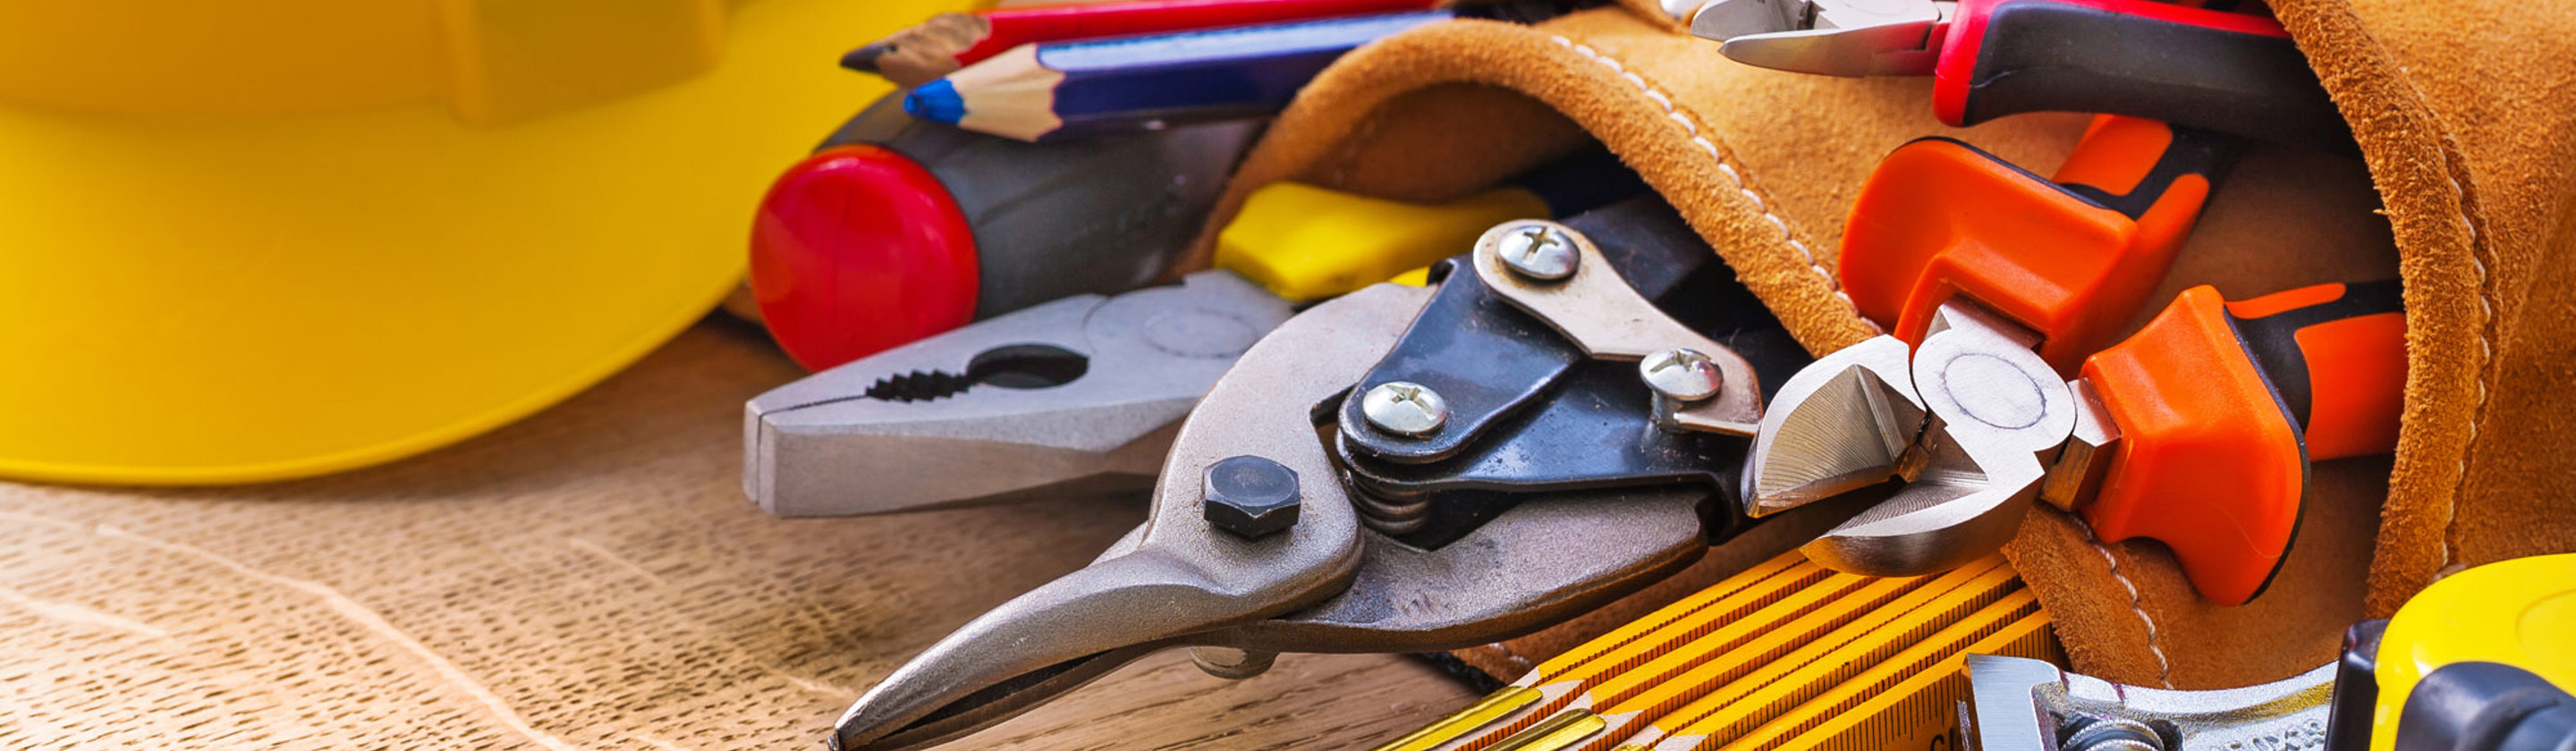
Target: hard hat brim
[{"x": 235, "y": 299}]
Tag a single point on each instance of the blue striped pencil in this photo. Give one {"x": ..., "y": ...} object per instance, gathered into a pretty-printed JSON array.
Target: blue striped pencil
[{"x": 1049, "y": 91}]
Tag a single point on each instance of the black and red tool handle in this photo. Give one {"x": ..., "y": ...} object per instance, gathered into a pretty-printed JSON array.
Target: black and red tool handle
[
  {"x": 2228, "y": 72},
  {"x": 2221, "y": 406},
  {"x": 2072, "y": 257}
]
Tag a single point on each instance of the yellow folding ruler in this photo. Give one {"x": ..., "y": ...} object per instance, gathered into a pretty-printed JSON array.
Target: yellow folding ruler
[{"x": 1786, "y": 656}]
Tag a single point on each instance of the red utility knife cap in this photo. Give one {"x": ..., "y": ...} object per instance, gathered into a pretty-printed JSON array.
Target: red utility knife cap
[{"x": 858, "y": 250}]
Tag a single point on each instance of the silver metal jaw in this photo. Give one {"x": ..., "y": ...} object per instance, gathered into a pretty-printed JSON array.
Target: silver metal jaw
[
  {"x": 1969, "y": 420},
  {"x": 1079, "y": 395},
  {"x": 1828, "y": 37}
]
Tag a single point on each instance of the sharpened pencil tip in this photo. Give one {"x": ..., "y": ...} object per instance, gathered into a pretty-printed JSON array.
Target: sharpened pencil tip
[
  {"x": 864, "y": 59},
  {"x": 936, "y": 101}
]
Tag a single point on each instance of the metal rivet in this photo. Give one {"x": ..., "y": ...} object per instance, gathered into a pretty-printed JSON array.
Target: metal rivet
[
  {"x": 1539, "y": 252},
  {"x": 1682, "y": 374},
  {"x": 1251, "y": 496},
  {"x": 1404, "y": 408},
  {"x": 1231, "y": 663}
]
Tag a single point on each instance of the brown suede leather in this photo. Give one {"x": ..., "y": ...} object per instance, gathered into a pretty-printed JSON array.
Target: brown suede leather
[{"x": 2462, "y": 113}]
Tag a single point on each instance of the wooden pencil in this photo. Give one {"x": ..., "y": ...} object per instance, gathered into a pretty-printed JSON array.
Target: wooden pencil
[
  {"x": 949, "y": 41},
  {"x": 1067, "y": 89}
]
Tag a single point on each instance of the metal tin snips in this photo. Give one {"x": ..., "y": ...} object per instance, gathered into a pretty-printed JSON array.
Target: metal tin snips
[{"x": 1272, "y": 530}]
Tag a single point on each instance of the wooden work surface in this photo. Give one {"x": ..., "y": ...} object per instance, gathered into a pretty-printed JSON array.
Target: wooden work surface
[{"x": 589, "y": 578}]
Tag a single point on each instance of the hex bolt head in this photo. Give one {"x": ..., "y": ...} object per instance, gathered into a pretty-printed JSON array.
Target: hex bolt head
[
  {"x": 1404, "y": 408},
  {"x": 1538, "y": 251},
  {"x": 1250, "y": 496},
  {"x": 1682, "y": 374}
]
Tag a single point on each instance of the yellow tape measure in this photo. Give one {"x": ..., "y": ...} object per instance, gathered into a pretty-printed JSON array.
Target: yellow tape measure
[{"x": 2520, "y": 612}]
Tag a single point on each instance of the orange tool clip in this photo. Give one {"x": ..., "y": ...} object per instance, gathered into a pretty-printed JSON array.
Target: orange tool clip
[{"x": 2069, "y": 259}]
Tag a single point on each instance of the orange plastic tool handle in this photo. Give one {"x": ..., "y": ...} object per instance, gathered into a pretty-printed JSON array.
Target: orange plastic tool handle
[
  {"x": 2071, "y": 259},
  {"x": 2210, "y": 399},
  {"x": 2336, "y": 353}
]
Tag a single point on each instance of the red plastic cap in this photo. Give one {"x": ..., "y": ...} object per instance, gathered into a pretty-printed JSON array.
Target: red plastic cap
[{"x": 858, "y": 250}]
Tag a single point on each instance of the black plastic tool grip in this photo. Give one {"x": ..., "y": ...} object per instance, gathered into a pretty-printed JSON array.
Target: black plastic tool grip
[
  {"x": 2335, "y": 354},
  {"x": 2227, "y": 72},
  {"x": 2486, "y": 706}
]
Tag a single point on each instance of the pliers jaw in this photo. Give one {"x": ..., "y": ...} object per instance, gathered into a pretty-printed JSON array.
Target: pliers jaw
[
  {"x": 1969, "y": 421},
  {"x": 1845, "y": 423},
  {"x": 1829, "y": 37},
  {"x": 1079, "y": 395}
]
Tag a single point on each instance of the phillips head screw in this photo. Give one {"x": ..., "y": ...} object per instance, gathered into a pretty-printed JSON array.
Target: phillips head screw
[
  {"x": 1682, "y": 374},
  {"x": 1404, "y": 408},
  {"x": 1539, "y": 252}
]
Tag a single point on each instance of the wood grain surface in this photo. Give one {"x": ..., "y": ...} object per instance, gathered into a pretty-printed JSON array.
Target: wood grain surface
[{"x": 590, "y": 578}]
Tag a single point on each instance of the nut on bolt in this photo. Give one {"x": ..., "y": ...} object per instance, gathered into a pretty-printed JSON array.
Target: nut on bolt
[{"x": 1251, "y": 496}]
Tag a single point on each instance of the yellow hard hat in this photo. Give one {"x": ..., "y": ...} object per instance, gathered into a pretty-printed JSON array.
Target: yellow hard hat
[{"x": 263, "y": 239}]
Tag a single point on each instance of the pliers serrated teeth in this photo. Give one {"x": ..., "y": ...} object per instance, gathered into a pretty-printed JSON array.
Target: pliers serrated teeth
[{"x": 1076, "y": 395}]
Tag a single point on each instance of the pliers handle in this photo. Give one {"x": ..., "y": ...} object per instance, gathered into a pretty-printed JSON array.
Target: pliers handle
[
  {"x": 2222, "y": 71},
  {"x": 2071, "y": 258},
  {"x": 2220, "y": 406},
  {"x": 2228, "y": 72}
]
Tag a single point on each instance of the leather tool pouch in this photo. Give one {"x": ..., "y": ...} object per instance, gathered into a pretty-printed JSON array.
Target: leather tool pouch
[{"x": 2462, "y": 111}]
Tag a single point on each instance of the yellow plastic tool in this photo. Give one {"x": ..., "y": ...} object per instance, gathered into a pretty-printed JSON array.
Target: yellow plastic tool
[
  {"x": 1309, "y": 243},
  {"x": 2520, "y": 612},
  {"x": 275, "y": 238}
]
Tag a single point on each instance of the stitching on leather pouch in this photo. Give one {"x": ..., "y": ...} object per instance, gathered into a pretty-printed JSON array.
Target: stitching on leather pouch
[
  {"x": 1515, "y": 656},
  {"x": 2486, "y": 362},
  {"x": 1691, "y": 129},
  {"x": 2137, "y": 601}
]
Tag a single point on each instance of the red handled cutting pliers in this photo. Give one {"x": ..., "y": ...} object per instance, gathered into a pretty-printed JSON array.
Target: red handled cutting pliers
[{"x": 2229, "y": 72}]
